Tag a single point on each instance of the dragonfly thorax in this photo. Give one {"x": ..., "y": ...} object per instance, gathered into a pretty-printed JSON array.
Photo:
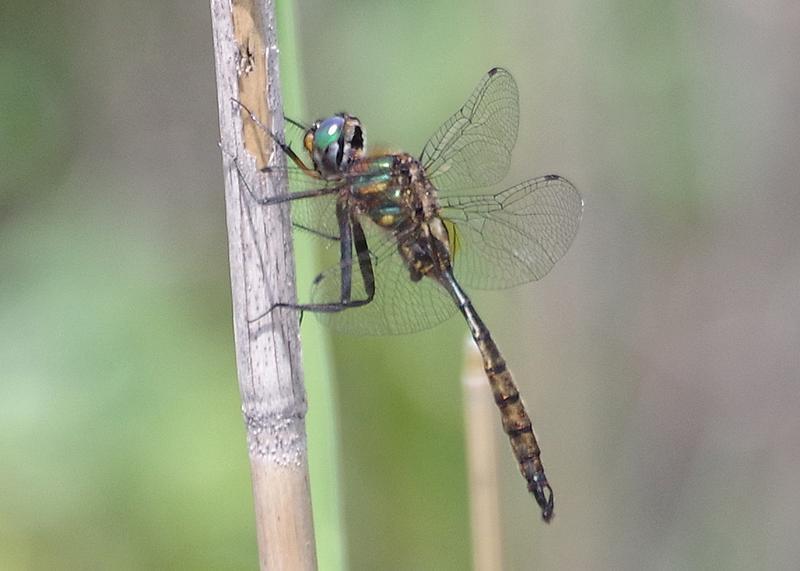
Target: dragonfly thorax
[
  {"x": 393, "y": 190},
  {"x": 401, "y": 199}
]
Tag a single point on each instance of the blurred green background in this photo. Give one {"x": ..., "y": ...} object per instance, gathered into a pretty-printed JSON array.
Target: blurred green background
[{"x": 660, "y": 358}]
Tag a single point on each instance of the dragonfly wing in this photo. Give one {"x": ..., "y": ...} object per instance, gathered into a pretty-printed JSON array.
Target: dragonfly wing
[
  {"x": 316, "y": 216},
  {"x": 400, "y": 305},
  {"x": 514, "y": 236},
  {"x": 472, "y": 149},
  {"x": 294, "y": 133}
]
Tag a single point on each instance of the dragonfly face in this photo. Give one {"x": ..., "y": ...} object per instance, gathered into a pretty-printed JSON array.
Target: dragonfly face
[
  {"x": 401, "y": 219},
  {"x": 335, "y": 143}
]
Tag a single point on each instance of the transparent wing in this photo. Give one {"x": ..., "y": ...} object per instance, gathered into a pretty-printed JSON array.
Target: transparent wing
[
  {"x": 400, "y": 305},
  {"x": 293, "y": 134},
  {"x": 315, "y": 215},
  {"x": 472, "y": 149},
  {"x": 514, "y": 236}
]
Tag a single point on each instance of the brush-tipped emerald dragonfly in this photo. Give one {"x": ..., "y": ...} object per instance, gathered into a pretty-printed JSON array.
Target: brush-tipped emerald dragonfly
[{"x": 410, "y": 235}]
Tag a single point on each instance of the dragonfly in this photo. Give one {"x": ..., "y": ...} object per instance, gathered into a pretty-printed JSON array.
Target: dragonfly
[{"x": 412, "y": 230}]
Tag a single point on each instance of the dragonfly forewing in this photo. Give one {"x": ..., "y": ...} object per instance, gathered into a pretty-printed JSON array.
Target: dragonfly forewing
[{"x": 472, "y": 149}]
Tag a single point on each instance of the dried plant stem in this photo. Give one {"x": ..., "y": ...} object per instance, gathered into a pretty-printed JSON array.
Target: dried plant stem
[
  {"x": 481, "y": 422},
  {"x": 262, "y": 273}
]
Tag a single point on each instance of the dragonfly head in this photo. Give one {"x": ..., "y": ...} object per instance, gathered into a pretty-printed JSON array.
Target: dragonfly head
[{"x": 335, "y": 142}]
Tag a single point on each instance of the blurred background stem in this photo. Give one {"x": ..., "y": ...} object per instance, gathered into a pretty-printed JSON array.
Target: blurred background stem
[{"x": 480, "y": 426}]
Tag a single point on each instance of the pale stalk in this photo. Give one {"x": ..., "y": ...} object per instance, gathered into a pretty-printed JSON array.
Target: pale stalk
[{"x": 262, "y": 273}]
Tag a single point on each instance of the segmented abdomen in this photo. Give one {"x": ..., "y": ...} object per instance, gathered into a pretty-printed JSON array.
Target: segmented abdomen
[{"x": 516, "y": 423}]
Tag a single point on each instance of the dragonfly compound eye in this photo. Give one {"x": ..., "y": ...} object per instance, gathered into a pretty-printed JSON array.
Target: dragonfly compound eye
[
  {"x": 327, "y": 146},
  {"x": 335, "y": 143}
]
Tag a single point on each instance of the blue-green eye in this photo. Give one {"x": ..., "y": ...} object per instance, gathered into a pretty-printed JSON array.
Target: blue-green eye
[
  {"x": 334, "y": 143},
  {"x": 328, "y": 132}
]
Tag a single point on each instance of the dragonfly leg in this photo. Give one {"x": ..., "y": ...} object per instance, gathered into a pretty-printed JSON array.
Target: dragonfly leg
[
  {"x": 284, "y": 147},
  {"x": 352, "y": 233},
  {"x": 316, "y": 233},
  {"x": 364, "y": 258},
  {"x": 345, "y": 252},
  {"x": 286, "y": 198},
  {"x": 352, "y": 237},
  {"x": 266, "y": 201}
]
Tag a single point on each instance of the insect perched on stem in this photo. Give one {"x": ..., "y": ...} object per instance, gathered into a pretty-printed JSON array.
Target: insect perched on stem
[{"x": 409, "y": 235}]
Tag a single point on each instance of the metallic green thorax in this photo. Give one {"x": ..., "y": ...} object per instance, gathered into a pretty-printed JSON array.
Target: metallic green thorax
[{"x": 393, "y": 191}]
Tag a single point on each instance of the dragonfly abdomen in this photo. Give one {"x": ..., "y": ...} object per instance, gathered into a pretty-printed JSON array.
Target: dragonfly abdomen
[
  {"x": 519, "y": 428},
  {"x": 516, "y": 422}
]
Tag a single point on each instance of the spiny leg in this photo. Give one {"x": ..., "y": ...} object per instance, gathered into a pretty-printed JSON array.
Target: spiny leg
[
  {"x": 309, "y": 194},
  {"x": 284, "y": 147},
  {"x": 352, "y": 237},
  {"x": 364, "y": 258},
  {"x": 316, "y": 233},
  {"x": 281, "y": 198}
]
